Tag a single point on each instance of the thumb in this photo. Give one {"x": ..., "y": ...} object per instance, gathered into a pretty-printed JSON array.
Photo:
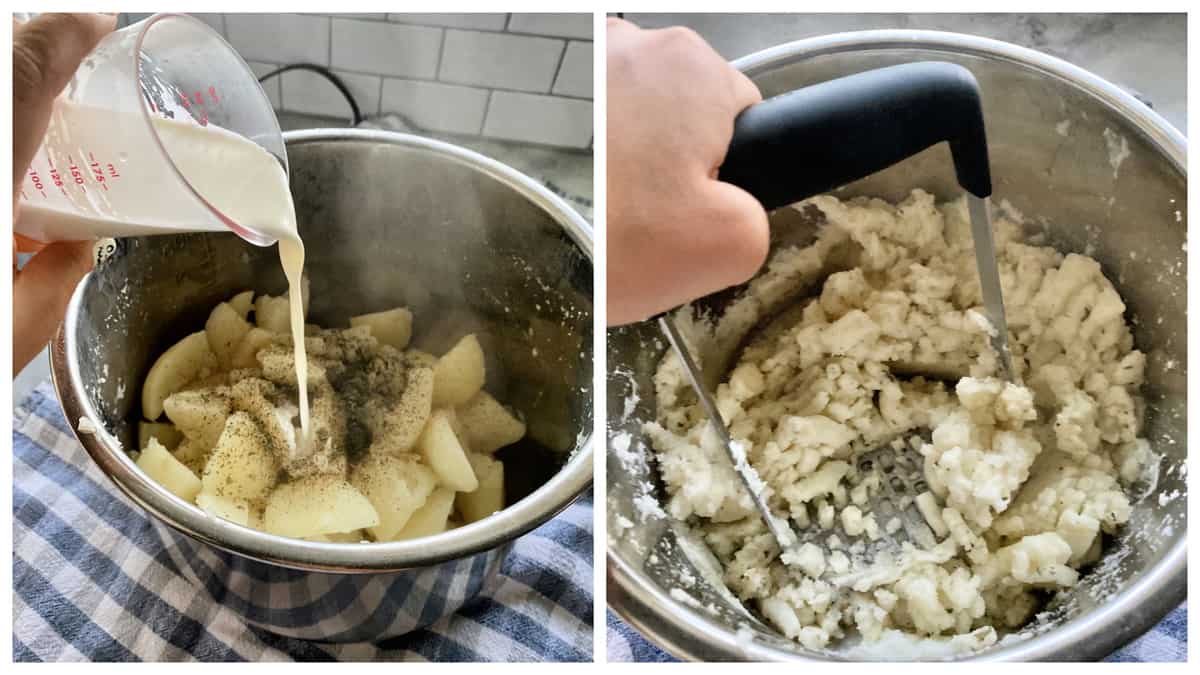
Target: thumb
[
  {"x": 41, "y": 291},
  {"x": 46, "y": 53}
]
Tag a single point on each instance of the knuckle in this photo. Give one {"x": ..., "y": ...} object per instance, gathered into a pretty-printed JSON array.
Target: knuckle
[
  {"x": 38, "y": 50},
  {"x": 681, "y": 36},
  {"x": 31, "y": 53}
]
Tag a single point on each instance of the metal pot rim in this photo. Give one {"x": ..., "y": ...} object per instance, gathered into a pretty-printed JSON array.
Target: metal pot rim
[
  {"x": 683, "y": 631},
  {"x": 514, "y": 521}
]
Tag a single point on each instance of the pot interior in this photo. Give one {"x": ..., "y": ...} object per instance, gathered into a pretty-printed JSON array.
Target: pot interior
[
  {"x": 1082, "y": 173},
  {"x": 384, "y": 225}
]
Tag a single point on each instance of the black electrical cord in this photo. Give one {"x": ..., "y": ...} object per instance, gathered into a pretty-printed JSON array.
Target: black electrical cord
[{"x": 327, "y": 74}]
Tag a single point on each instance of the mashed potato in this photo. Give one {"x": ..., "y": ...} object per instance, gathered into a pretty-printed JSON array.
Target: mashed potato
[{"x": 1022, "y": 479}]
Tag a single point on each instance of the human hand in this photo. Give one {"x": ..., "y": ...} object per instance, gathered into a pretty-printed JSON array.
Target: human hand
[
  {"x": 675, "y": 231},
  {"x": 46, "y": 53}
]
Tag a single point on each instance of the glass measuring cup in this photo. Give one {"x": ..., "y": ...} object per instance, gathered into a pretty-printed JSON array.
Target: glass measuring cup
[{"x": 103, "y": 169}]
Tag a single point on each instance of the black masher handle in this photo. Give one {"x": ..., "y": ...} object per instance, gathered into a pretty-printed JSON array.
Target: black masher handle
[{"x": 811, "y": 140}]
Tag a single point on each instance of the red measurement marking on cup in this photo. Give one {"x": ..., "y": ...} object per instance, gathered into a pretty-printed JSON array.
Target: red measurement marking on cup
[
  {"x": 197, "y": 98},
  {"x": 37, "y": 182},
  {"x": 97, "y": 171},
  {"x": 76, "y": 173}
]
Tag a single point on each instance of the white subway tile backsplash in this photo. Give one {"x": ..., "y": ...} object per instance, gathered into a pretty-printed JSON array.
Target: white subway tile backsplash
[
  {"x": 280, "y": 38},
  {"x": 271, "y": 86},
  {"x": 539, "y": 119},
  {"x": 575, "y": 73},
  {"x": 562, "y": 25},
  {"x": 435, "y": 106},
  {"x": 217, "y": 21},
  {"x": 500, "y": 60},
  {"x": 386, "y": 48},
  {"x": 307, "y": 92},
  {"x": 479, "y": 21}
]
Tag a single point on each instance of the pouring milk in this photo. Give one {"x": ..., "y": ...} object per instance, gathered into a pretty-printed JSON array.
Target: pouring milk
[{"x": 234, "y": 175}]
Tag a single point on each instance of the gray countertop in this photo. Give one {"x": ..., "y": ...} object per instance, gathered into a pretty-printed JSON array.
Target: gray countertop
[{"x": 1145, "y": 53}]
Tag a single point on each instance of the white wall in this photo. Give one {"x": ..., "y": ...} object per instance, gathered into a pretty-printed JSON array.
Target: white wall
[{"x": 523, "y": 77}]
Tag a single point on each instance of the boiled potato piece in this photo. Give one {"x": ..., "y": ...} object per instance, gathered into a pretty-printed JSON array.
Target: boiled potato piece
[
  {"x": 488, "y": 498},
  {"x": 488, "y": 425},
  {"x": 225, "y": 330},
  {"x": 168, "y": 471},
  {"x": 431, "y": 518},
  {"x": 246, "y": 354},
  {"x": 317, "y": 505},
  {"x": 234, "y": 510},
  {"x": 193, "y": 455},
  {"x": 396, "y": 486},
  {"x": 199, "y": 414},
  {"x": 189, "y": 359},
  {"x": 445, "y": 455},
  {"x": 393, "y": 327},
  {"x": 459, "y": 374},
  {"x": 460, "y": 432},
  {"x": 273, "y": 313},
  {"x": 241, "y": 465},
  {"x": 397, "y": 430},
  {"x": 165, "y": 433},
  {"x": 420, "y": 358},
  {"x": 243, "y": 302}
]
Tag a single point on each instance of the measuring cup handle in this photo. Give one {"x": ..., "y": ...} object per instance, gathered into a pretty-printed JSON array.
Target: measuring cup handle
[{"x": 811, "y": 140}]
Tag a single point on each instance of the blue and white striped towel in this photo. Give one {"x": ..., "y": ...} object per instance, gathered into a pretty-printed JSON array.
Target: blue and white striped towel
[{"x": 95, "y": 578}]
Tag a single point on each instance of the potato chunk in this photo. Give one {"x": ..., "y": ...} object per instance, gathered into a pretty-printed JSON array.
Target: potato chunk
[
  {"x": 431, "y": 518},
  {"x": 393, "y": 327},
  {"x": 241, "y": 465},
  {"x": 488, "y": 425},
  {"x": 199, "y": 414},
  {"x": 164, "y": 432},
  {"x": 397, "y": 488},
  {"x": 488, "y": 498},
  {"x": 187, "y": 360},
  {"x": 168, "y": 471},
  {"x": 397, "y": 429},
  {"x": 459, "y": 374},
  {"x": 243, "y": 302},
  {"x": 193, "y": 454},
  {"x": 225, "y": 330},
  {"x": 246, "y": 354},
  {"x": 317, "y": 505},
  {"x": 234, "y": 510},
  {"x": 273, "y": 313},
  {"x": 445, "y": 455}
]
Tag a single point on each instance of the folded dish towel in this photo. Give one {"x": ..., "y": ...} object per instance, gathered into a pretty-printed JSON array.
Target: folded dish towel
[{"x": 96, "y": 579}]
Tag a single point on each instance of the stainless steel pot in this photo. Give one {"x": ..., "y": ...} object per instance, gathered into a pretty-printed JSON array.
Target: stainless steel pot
[
  {"x": 1057, "y": 135},
  {"x": 469, "y": 245}
]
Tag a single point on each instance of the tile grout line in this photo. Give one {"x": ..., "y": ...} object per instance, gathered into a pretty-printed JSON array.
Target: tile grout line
[
  {"x": 465, "y": 85},
  {"x": 487, "y": 110},
  {"x": 503, "y": 30},
  {"x": 562, "y": 57},
  {"x": 437, "y": 69},
  {"x": 379, "y": 103}
]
